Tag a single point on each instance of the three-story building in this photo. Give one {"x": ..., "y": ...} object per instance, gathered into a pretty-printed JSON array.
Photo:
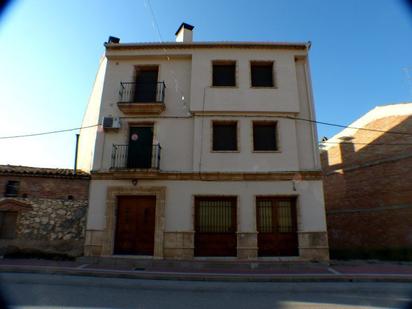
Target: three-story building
[{"x": 198, "y": 153}]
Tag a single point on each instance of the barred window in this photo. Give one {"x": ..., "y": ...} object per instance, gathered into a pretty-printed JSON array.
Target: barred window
[
  {"x": 285, "y": 217},
  {"x": 275, "y": 215},
  {"x": 215, "y": 215},
  {"x": 12, "y": 188},
  {"x": 265, "y": 218}
]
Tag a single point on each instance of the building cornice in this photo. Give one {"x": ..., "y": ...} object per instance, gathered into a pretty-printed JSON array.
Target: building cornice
[
  {"x": 208, "y": 45},
  {"x": 207, "y": 176}
]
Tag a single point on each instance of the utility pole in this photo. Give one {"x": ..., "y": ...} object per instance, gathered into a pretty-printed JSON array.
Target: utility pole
[{"x": 75, "y": 154}]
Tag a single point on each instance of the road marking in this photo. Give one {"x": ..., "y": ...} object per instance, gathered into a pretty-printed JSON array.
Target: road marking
[
  {"x": 82, "y": 266},
  {"x": 334, "y": 271}
]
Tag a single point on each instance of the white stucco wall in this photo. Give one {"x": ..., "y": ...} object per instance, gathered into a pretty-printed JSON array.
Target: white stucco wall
[
  {"x": 186, "y": 139},
  {"x": 282, "y": 98},
  {"x": 245, "y": 159},
  {"x": 87, "y": 137},
  {"x": 180, "y": 201}
]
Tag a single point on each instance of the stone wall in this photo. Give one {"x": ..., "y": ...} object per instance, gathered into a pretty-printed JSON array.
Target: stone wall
[
  {"x": 51, "y": 226},
  {"x": 51, "y": 207}
]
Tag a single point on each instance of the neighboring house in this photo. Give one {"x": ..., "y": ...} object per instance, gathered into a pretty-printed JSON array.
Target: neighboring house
[
  {"x": 42, "y": 210},
  {"x": 368, "y": 186},
  {"x": 198, "y": 157}
]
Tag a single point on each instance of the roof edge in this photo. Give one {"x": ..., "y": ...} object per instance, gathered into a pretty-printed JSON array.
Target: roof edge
[
  {"x": 224, "y": 44},
  {"x": 30, "y": 171}
]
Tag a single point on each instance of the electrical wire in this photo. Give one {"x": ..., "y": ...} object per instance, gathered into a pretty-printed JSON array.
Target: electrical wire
[
  {"x": 251, "y": 116},
  {"x": 369, "y": 144},
  {"x": 346, "y": 127},
  {"x": 47, "y": 132}
]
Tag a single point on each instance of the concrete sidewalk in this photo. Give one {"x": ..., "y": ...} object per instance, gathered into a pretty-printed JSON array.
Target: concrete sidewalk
[{"x": 258, "y": 271}]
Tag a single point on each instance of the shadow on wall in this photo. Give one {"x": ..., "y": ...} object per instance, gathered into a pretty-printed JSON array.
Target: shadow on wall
[{"x": 368, "y": 192}]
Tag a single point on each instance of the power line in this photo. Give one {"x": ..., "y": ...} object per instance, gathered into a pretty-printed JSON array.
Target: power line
[
  {"x": 154, "y": 20},
  {"x": 369, "y": 144},
  {"x": 156, "y": 27},
  {"x": 347, "y": 127},
  {"x": 249, "y": 116},
  {"x": 47, "y": 132}
]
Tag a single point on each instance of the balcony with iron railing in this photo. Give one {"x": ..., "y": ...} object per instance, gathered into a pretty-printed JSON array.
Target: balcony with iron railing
[
  {"x": 124, "y": 157},
  {"x": 142, "y": 97}
]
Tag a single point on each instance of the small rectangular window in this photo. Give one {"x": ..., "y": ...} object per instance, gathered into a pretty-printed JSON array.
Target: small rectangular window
[
  {"x": 12, "y": 188},
  {"x": 224, "y": 136},
  {"x": 265, "y": 136},
  {"x": 224, "y": 73},
  {"x": 262, "y": 74}
]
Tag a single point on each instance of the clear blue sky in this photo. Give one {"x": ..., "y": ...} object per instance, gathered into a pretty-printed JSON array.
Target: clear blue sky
[{"x": 50, "y": 51}]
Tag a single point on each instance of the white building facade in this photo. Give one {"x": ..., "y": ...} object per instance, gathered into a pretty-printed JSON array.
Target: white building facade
[{"x": 199, "y": 155}]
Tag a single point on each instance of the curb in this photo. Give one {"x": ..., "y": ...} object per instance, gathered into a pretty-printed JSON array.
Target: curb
[{"x": 226, "y": 277}]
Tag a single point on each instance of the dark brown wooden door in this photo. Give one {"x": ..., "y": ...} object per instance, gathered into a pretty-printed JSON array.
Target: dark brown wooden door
[
  {"x": 276, "y": 226},
  {"x": 215, "y": 226},
  {"x": 135, "y": 225},
  {"x": 8, "y": 224},
  {"x": 139, "y": 154}
]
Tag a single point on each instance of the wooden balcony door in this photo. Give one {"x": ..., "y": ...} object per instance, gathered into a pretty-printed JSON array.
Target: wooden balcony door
[
  {"x": 215, "y": 226},
  {"x": 135, "y": 226},
  {"x": 140, "y": 147},
  {"x": 276, "y": 226}
]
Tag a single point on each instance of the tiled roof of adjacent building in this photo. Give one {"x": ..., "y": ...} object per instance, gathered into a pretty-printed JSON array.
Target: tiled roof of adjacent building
[{"x": 19, "y": 170}]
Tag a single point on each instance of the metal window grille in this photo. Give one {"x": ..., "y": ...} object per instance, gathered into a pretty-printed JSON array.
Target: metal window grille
[
  {"x": 215, "y": 216},
  {"x": 285, "y": 217},
  {"x": 12, "y": 188},
  {"x": 275, "y": 216},
  {"x": 265, "y": 219}
]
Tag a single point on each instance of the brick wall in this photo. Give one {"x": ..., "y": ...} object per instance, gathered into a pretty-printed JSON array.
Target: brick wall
[
  {"x": 368, "y": 193},
  {"x": 48, "y": 187}
]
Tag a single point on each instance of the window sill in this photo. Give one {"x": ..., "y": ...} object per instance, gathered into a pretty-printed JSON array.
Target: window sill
[
  {"x": 266, "y": 151},
  {"x": 263, "y": 87},
  {"x": 224, "y": 87},
  {"x": 225, "y": 151}
]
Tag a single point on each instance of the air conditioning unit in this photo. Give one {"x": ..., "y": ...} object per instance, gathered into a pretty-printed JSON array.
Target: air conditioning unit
[{"x": 111, "y": 123}]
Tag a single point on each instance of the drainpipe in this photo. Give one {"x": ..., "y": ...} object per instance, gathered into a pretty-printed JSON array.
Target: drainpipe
[{"x": 75, "y": 154}]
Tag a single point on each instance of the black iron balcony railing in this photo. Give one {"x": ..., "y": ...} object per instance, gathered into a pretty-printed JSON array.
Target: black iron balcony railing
[
  {"x": 152, "y": 92},
  {"x": 126, "y": 157}
]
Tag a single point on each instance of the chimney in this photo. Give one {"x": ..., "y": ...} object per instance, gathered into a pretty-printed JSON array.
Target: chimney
[
  {"x": 113, "y": 40},
  {"x": 184, "y": 33}
]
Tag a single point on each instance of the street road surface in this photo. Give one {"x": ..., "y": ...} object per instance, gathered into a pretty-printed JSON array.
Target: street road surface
[{"x": 36, "y": 291}]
